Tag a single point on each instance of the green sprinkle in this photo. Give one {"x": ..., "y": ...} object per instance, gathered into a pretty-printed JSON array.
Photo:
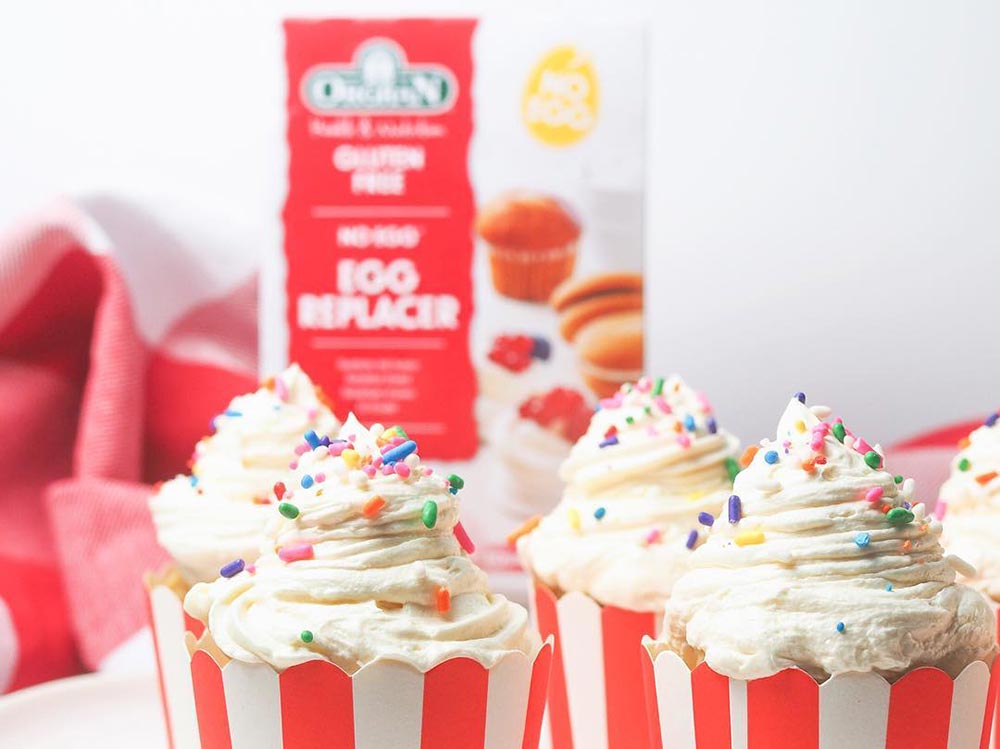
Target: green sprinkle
[
  {"x": 456, "y": 481},
  {"x": 964, "y": 464},
  {"x": 289, "y": 510},
  {"x": 629, "y": 420},
  {"x": 899, "y": 516},
  {"x": 839, "y": 431},
  {"x": 898, "y": 478},
  {"x": 733, "y": 468},
  {"x": 306, "y": 636},
  {"x": 648, "y": 410},
  {"x": 658, "y": 386},
  {"x": 873, "y": 459},
  {"x": 430, "y": 513}
]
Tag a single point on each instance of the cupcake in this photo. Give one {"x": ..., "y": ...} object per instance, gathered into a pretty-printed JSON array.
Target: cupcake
[
  {"x": 532, "y": 243},
  {"x": 532, "y": 440},
  {"x": 220, "y": 511},
  {"x": 652, "y": 463},
  {"x": 970, "y": 499},
  {"x": 364, "y": 617},
  {"x": 821, "y": 610}
]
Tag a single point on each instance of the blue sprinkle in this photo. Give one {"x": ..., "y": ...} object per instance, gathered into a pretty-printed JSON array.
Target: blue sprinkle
[
  {"x": 991, "y": 420},
  {"x": 453, "y": 490},
  {"x": 600, "y": 512},
  {"x": 234, "y": 568},
  {"x": 540, "y": 348},
  {"x": 735, "y": 509},
  {"x": 706, "y": 518},
  {"x": 194, "y": 481},
  {"x": 307, "y": 481},
  {"x": 771, "y": 457},
  {"x": 692, "y": 539},
  {"x": 840, "y": 627},
  {"x": 609, "y": 441},
  {"x": 888, "y": 587},
  {"x": 232, "y": 412},
  {"x": 906, "y": 505},
  {"x": 862, "y": 540},
  {"x": 689, "y": 422},
  {"x": 800, "y": 397},
  {"x": 325, "y": 442},
  {"x": 399, "y": 452},
  {"x": 312, "y": 438},
  {"x": 711, "y": 425}
]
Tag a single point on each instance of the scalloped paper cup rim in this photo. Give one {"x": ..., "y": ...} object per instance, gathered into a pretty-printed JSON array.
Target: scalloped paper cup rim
[{"x": 697, "y": 708}]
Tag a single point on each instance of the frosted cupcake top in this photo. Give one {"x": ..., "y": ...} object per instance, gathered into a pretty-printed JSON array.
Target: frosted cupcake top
[
  {"x": 824, "y": 561},
  {"x": 651, "y": 462},
  {"x": 220, "y": 510},
  {"x": 367, "y": 559},
  {"x": 971, "y": 496}
]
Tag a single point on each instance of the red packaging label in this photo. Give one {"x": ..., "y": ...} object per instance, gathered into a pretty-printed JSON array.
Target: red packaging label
[{"x": 378, "y": 222}]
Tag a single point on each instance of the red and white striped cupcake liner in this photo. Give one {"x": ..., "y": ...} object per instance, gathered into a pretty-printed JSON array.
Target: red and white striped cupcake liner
[
  {"x": 925, "y": 709},
  {"x": 596, "y": 696}
]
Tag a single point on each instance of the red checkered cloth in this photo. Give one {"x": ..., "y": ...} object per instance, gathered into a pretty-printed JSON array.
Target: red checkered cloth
[{"x": 90, "y": 415}]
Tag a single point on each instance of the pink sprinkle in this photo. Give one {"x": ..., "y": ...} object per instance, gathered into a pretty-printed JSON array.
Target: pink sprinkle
[
  {"x": 861, "y": 446},
  {"x": 336, "y": 448},
  {"x": 320, "y": 478},
  {"x": 463, "y": 539},
  {"x": 654, "y": 536},
  {"x": 369, "y": 471},
  {"x": 312, "y": 413},
  {"x": 386, "y": 447},
  {"x": 940, "y": 509},
  {"x": 387, "y": 470},
  {"x": 874, "y": 494},
  {"x": 293, "y": 465},
  {"x": 609, "y": 403},
  {"x": 296, "y": 553},
  {"x": 377, "y": 461},
  {"x": 683, "y": 440},
  {"x": 252, "y": 569},
  {"x": 661, "y": 403},
  {"x": 651, "y": 431},
  {"x": 302, "y": 449},
  {"x": 703, "y": 401},
  {"x": 428, "y": 470},
  {"x": 281, "y": 388},
  {"x": 643, "y": 384},
  {"x": 402, "y": 470}
]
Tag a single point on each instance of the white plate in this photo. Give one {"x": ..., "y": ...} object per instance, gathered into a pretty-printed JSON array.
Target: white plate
[{"x": 110, "y": 711}]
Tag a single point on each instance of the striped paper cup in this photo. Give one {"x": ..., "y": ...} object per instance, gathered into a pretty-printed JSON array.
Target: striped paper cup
[
  {"x": 170, "y": 625},
  {"x": 925, "y": 709},
  {"x": 387, "y": 704},
  {"x": 597, "y": 694},
  {"x": 995, "y": 744}
]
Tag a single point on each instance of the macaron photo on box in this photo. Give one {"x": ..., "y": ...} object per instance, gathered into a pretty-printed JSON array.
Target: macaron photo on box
[{"x": 463, "y": 240}]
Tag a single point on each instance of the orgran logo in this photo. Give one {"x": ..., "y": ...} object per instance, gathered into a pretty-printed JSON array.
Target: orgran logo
[{"x": 379, "y": 80}]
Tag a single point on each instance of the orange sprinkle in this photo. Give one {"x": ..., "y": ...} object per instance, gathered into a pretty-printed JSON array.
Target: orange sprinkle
[
  {"x": 261, "y": 501},
  {"x": 442, "y": 599},
  {"x": 677, "y": 426},
  {"x": 748, "y": 454},
  {"x": 524, "y": 530},
  {"x": 269, "y": 383},
  {"x": 885, "y": 509},
  {"x": 985, "y": 478},
  {"x": 809, "y": 465},
  {"x": 963, "y": 443},
  {"x": 906, "y": 545},
  {"x": 372, "y": 507}
]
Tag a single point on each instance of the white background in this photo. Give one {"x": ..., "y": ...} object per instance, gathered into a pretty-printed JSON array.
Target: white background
[{"x": 824, "y": 178}]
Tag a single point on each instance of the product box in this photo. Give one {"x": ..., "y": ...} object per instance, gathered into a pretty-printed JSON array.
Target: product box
[{"x": 463, "y": 240}]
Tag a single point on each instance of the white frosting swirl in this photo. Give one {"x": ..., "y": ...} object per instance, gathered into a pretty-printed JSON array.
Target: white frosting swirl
[
  {"x": 972, "y": 504},
  {"x": 652, "y": 459},
  {"x": 219, "y": 512},
  {"x": 377, "y": 581},
  {"x": 817, "y": 575}
]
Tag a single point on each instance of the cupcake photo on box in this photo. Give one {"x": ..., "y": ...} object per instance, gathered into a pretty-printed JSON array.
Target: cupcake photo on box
[
  {"x": 822, "y": 611},
  {"x": 641, "y": 485},
  {"x": 219, "y": 512},
  {"x": 516, "y": 366},
  {"x": 364, "y": 623},
  {"x": 531, "y": 239}
]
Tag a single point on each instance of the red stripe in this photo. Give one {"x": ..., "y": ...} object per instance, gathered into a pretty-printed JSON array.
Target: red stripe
[
  {"x": 317, "y": 707},
  {"x": 710, "y": 697},
  {"x": 624, "y": 691},
  {"x": 771, "y": 701},
  {"x": 536, "y": 697},
  {"x": 992, "y": 706},
  {"x": 548, "y": 625},
  {"x": 210, "y": 702},
  {"x": 454, "y": 705},
  {"x": 194, "y": 626},
  {"x": 920, "y": 710},
  {"x": 652, "y": 709},
  {"x": 159, "y": 669}
]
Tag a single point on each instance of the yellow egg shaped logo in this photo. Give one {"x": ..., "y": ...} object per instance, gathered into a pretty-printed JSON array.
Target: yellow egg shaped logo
[{"x": 561, "y": 97}]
